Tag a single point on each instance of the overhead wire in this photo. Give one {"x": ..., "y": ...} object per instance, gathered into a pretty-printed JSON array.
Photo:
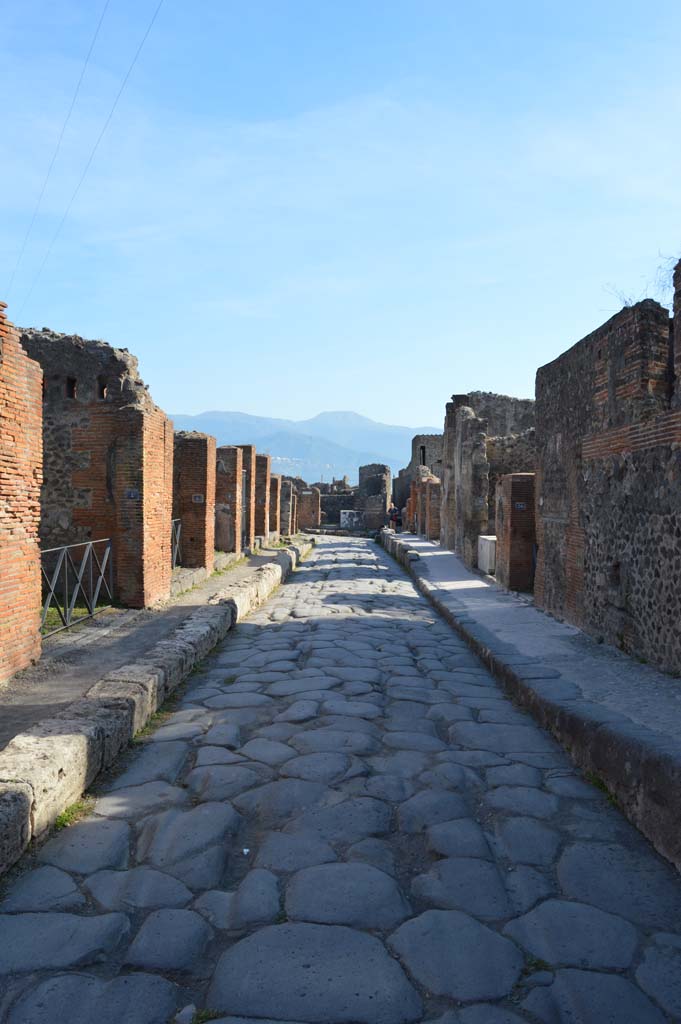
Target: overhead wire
[
  {"x": 93, "y": 152},
  {"x": 55, "y": 154}
]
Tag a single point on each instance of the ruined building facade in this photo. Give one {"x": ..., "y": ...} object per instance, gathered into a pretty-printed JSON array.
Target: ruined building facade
[
  {"x": 426, "y": 450},
  {"x": 608, "y": 488}
]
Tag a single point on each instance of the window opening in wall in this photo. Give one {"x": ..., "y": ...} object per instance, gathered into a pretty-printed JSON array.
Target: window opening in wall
[
  {"x": 101, "y": 388},
  {"x": 422, "y": 454},
  {"x": 71, "y": 387}
]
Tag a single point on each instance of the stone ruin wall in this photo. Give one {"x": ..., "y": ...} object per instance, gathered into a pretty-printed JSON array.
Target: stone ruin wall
[
  {"x": 426, "y": 450},
  {"x": 20, "y": 480},
  {"x": 608, "y": 486},
  {"x": 309, "y": 509},
  {"x": 373, "y": 494},
  {"x": 108, "y": 453},
  {"x": 510, "y": 453},
  {"x": 334, "y": 504}
]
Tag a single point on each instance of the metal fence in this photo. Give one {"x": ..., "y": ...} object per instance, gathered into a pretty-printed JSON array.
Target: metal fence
[
  {"x": 176, "y": 541},
  {"x": 77, "y": 583}
]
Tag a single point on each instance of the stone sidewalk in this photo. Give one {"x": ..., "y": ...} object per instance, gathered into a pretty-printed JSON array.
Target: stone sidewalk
[
  {"x": 618, "y": 718},
  {"x": 345, "y": 822}
]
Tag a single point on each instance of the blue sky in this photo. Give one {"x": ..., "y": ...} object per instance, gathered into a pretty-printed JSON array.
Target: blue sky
[{"x": 358, "y": 204}]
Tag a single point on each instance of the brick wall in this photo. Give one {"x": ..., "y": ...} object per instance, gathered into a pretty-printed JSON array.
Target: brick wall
[
  {"x": 263, "y": 465},
  {"x": 309, "y": 509},
  {"x": 609, "y": 485},
  {"x": 248, "y": 500},
  {"x": 295, "y": 525},
  {"x": 433, "y": 499},
  {"x": 275, "y": 506},
  {"x": 194, "y": 473},
  {"x": 20, "y": 479},
  {"x": 229, "y": 488},
  {"x": 108, "y": 456},
  {"x": 515, "y": 531},
  {"x": 287, "y": 511},
  {"x": 510, "y": 453}
]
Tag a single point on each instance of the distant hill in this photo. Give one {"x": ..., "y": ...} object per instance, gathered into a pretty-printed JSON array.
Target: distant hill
[{"x": 330, "y": 444}]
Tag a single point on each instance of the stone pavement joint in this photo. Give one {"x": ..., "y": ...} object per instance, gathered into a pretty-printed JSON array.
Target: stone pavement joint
[{"x": 381, "y": 838}]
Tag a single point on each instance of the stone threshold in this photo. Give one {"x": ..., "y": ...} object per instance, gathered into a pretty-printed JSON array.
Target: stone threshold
[
  {"x": 48, "y": 767},
  {"x": 619, "y": 719}
]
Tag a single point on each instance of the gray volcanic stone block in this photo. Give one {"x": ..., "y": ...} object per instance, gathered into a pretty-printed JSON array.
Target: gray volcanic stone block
[
  {"x": 636, "y": 883},
  {"x": 226, "y": 734},
  {"x": 81, "y": 999},
  {"x": 586, "y": 997},
  {"x": 137, "y": 801},
  {"x": 526, "y": 886},
  {"x": 36, "y": 942},
  {"x": 256, "y": 901},
  {"x": 318, "y": 767},
  {"x": 466, "y": 884},
  {"x": 222, "y": 781},
  {"x": 45, "y": 888},
  {"x": 281, "y": 852},
  {"x": 276, "y": 802},
  {"x": 16, "y": 803},
  {"x": 169, "y": 940},
  {"x": 334, "y": 739},
  {"x": 501, "y": 739},
  {"x": 373, "y": 851},
  {"x": 429, "y": 807},
  {"x": 525, "y": 841},
  {"x": 312, "y": 973},
  {"x": 522, "y": 800},
  {"x": 269, "y": 751},
  {"x": 153, "y": 761},
  {"x": 575, "y": 935},
  {"x": 453, "y": 955},
  {"x": 462, "y": 838},
  {"x": 173, "y": 836},
  {"x": 659, "y": 973},
  {"x": 354, "y": 894},
  {"x": 140, "y": 887},
  {"x": 348, "y": 822},
  {"x": 89, "y": 846},
  {"x": 486, "y": 1014},
  {"x": 300, "y": 711},
  {"x": 216, "y": 906}
]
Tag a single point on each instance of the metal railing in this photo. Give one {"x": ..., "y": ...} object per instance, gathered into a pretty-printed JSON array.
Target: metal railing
[
  {"x": 176, "y": 541},
  {"x": 75, "y": 578}
]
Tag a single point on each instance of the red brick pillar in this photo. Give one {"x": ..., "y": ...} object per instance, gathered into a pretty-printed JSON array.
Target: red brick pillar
[
  {"x": 310, "y": 509},
  {"x": 229, "y": 487},
  {"x": 515, "y": 531},
  {"x": 275, "y": 506},
  {"x": 294, "y": 514},
  {"x": 194, "y": 497},
  {"x": 21, "y": 451},
  {"x": 263, "y": 465},
  {"x": 433, "y": 499},
  {"x": 248, "y": 500}
]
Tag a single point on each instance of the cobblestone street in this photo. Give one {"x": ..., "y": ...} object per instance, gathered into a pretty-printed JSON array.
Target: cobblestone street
[{"x": 344, "y": 821}]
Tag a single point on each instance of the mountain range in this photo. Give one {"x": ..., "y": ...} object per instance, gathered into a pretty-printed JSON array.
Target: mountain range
[{"x": 332, "y": 444}]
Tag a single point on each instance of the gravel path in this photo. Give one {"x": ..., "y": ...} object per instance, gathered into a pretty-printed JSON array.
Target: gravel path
[{"x": 345, "y": 822}]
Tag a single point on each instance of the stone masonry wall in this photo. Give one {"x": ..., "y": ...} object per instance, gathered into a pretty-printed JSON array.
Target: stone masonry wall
[
  {"x": 229, "y": 488},
  {"x": 248, "y": 500},
  {"x": 333, "y": 504},
  {"x": 609, "y": 485},
  {"x": 471, "y": 488},
  {"x": 309, "y": 509},
  {"x": 426, "y": 450},
  {"x": 194, "y": 473},
  {"x": 108, "y": 456},
  {"x": 433, "y": 500},
  {"x": 510, "y": 453},
  {"x": 373, "y": 494},
  {"x": 275, "y": 506},
  {"x": 515, "y": 531},
  {"x": 20, "y": 478},
  {"x": 263, "y": 466}
]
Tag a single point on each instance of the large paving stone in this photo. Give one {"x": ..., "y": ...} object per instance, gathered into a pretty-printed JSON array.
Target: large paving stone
[
  {"x": 313, "y": 973},
  {"x": 462, "y": 838},
  {"x": 176, "y": 731},
  {"x": 256, "y": 901},
  {"x": 36, "y": 942},
  {"x": 222, "y": 781},
  {"x": 522, "y": 800},
  {"x": 171, "y": 940},
  {"x": 501, "y": 739},
  {"x": 393, "y": 788},
  {"x": 81, "y": 999},
  {"x": 333, "y": 739},
  {"x": 300, "y": 711},
  {"x": 484, "y": 1013},
  {"x": 139, "y": 887},
  {"x": 136, "y": 801},
  {"x": 465, "y": 884},
  {"x": 45, "y": 888},
  {"x": 287, "y": 687},
  {"x": 586, "y": 997},
  {"x": 348, "y": 822},
  {"x": 525, "y": 841},
  {"x": 659, "y": 973},
  {"x": 513, "y": 775},
  {"x": 354, "y": 894},
  {"x": 575, "y": 935},
  {"x": 413, "y": 741},
  {"x": 239, "y": 700},
  {"x": 173, "y": 836},
  {"x": 429, "y": 807},
  {"x": 89, "y": 846},
  {"x": 216, "y": 906},
  {"x": 357, "y": 708},
  {"x": 281, "y": 852},
  {"x": 224, "y": 734},
  {"x": 216, "y": 755},
  {"x": 153, "y": 761},
  {"x": 318, "y": 767},
  {"x": 526, "y": 886},
  {"x": 634, "y": 883},
  {"x": 376, "y": 852},
  {"x": 451, "y": 954},
  {"x": 406, "y": 763},
  {"x": 276, "y": 802},
  {"x": 268, "y": 751}
]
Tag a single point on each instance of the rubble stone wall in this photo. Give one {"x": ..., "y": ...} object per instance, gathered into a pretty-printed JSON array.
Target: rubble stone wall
[{"x": 20, "y": 478}]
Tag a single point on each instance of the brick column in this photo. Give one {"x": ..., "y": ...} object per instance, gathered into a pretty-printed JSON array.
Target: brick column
[
  {"x": 229, "y": 487},
  {"x": 515, "y": 531},
  {"x": 263, "y": 465},
  {"x": 275, "y": 506},
  {"x": 21, "y": 450},
  {"x": 433, "y": 499},
  {"x": 194, "y": 497},
  {"x": 310, "y": 509},
  {"x": 286, "y": 518},
  {"x": 248, "y": 500},
  {"x": 294, "y": 514}
]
